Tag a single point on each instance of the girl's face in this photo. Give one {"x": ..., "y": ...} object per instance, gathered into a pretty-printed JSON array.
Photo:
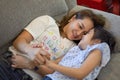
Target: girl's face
[
  {"x": 76, "y": 28},
  {"x": 87, "y": 39}
]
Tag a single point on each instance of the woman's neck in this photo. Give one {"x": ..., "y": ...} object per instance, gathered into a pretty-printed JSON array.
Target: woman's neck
[{"x": 63, "y": 32}]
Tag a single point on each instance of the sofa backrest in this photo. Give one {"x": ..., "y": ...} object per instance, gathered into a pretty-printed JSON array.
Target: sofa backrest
[
  {"x": 16, "y": 14},
  {"x": 112, "y": 23}
]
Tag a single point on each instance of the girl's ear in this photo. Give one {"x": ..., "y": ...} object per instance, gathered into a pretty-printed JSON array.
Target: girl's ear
[
  {"x": 96, "y": 41},
  {"x": 73, "y": 18}
]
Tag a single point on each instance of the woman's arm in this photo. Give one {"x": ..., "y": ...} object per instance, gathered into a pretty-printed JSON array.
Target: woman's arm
[
  {"x": 22, "y": 42},
  {"x": 32, "y": 31},
  {"x": 89, "y": 64}
]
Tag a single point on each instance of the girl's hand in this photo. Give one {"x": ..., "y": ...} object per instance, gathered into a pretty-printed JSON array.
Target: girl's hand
[{"x": 48, "y": 62}]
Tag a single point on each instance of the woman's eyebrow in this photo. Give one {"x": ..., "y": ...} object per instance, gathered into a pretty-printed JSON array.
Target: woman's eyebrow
[{"x": 83, "y": 25}]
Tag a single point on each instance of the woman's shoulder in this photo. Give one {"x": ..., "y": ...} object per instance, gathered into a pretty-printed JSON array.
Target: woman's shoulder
[{"x": 45, "y": 18}]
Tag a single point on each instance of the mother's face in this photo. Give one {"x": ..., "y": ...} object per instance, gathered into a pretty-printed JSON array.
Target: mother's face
[{"x": 76, "y": 28}]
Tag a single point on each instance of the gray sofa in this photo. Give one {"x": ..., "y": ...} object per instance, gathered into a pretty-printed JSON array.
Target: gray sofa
[{"x": 16, "y": 14}]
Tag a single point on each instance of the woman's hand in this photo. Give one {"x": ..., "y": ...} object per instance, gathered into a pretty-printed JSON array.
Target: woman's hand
[
  {"x": 38, "y": 57},
  {"x": 19, "y": 61}
]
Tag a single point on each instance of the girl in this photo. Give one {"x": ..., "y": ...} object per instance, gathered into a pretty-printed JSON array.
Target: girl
[{"x": 84, "y": 62}]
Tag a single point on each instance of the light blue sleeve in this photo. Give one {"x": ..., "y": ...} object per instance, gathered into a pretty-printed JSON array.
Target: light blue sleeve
[
  {"x": 105, "y": 54},
  {"x": 105, "y": 50}
]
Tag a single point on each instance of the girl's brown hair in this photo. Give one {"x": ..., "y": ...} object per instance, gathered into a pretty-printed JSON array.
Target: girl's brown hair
[{"x": 104, "y": 36}]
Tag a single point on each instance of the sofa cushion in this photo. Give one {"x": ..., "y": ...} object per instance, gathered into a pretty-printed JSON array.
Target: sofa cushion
[
  {"x": 16, "y": 14},
  {"x": 112, "y": 70},
  {"x": 112, "y": 23},
  {"x": 71, "y": 3}
]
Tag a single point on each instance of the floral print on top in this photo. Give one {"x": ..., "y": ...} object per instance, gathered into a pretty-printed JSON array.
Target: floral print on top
[{"x": 75, "y": 58}]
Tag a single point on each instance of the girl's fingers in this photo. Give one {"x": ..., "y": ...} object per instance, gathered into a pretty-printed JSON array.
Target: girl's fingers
[
  {"x": 47, "y": 56},
  {"x": 36, "y": 63},
  {"x": 39, "y": 58}
]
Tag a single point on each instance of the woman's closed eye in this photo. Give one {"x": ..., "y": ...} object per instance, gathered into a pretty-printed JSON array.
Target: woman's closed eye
[{"x": 81, "y": 25}]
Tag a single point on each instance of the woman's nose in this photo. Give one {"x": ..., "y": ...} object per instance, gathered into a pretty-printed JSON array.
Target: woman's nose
[{"x": 80, "y": 33}]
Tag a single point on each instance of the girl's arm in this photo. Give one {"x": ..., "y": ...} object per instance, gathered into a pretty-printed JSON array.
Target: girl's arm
[
  {"x": 44, "y": 69},
  {"x": 89, "y": 64}
]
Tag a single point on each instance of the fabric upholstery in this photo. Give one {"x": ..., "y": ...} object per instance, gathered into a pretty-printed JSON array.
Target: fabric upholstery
[{"x": 16, "y": 14}]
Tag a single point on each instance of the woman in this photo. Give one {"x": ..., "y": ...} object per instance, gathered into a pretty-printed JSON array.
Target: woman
[{"x": 56, "y": 40}]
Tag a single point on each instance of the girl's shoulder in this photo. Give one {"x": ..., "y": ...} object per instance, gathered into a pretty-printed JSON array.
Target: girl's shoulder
[
  {"x": 105, "y": 51},
  {"x": 101, "y": 46}
]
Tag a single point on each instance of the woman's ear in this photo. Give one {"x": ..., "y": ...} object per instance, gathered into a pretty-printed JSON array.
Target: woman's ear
[{"x": 73, "y": 18}]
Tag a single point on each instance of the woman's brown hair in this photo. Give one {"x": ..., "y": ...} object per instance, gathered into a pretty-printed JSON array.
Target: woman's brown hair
[{"x": 96, "y": 18}]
